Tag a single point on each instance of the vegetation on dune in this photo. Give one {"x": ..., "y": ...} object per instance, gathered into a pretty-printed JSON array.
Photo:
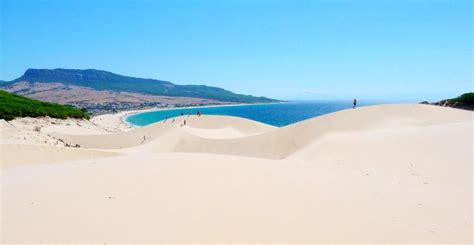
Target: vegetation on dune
[
  {"x": 465, "y": 101},
  {"x": 12, "y": 106}
]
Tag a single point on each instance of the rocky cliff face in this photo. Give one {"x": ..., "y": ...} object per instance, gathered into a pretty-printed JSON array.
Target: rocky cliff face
[
  {"x": 99, "y": 101},
  {"x": 107, "y": 81},
  {"x": 103, "y": 91}
]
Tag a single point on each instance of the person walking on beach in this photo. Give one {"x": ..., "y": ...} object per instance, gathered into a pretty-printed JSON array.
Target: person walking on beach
[
  {"x": 355, "y": 103},
  {"x": 184, "y": 123}
]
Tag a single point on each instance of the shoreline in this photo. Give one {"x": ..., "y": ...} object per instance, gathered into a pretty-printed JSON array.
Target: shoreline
[
  {"x": 126, "y": 114},
  {"x": 48, "y": 131}
]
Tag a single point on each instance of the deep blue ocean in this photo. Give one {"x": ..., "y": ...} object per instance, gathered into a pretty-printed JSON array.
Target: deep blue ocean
[{"x": 279, "y": 114}]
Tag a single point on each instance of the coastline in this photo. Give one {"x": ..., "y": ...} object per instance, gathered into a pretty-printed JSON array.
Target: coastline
[
  {"x": 125, "y": 114},
  {"x": 51, "y": 132}
]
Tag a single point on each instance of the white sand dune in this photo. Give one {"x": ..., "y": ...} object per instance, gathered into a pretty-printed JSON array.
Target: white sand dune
[
  {"x": 391, "y": 173},
  {"x": 197, "y": 127},
  {"x": 15, "y": 155}
]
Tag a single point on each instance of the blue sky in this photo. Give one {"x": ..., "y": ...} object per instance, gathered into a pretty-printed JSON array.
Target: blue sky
[{"x": 382, "y": 49}]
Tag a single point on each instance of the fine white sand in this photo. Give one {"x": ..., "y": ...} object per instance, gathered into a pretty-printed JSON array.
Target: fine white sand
[{"x": 378, "y": 174}]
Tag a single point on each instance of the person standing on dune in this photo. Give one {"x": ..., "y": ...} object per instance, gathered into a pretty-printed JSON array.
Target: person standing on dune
[{"x": 355, "y": 103}]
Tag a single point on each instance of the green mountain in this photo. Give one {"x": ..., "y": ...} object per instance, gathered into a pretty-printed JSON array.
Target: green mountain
[
  {"x": 104, "y": 80},
  {"x": 12, "y": 106}
]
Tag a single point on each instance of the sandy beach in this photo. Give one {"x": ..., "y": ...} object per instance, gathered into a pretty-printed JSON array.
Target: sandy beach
[{"x": 397, "y": 173}]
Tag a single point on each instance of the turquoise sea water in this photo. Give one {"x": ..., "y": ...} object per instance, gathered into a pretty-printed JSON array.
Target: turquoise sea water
[{"x": 280, "y": 114}]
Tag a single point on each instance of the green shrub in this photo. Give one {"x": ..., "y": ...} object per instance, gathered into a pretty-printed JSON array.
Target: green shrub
[
  {"x": 467, "y": 98},
  {"x": 12, "y": 106}
]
